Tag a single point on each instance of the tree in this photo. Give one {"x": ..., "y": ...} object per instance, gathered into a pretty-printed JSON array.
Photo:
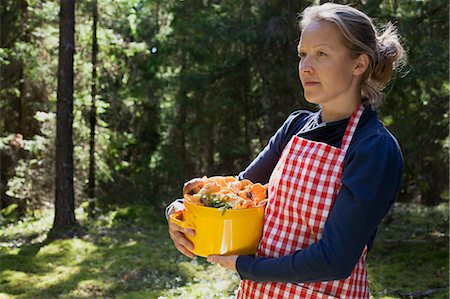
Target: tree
[
  {"x": 21, "y": 94},
  {"x": 93, "y": 114},
  {"x": 416, "y": 107},
  {"x": 64, "y": 196},
  {"x": 192, "y": 88}
]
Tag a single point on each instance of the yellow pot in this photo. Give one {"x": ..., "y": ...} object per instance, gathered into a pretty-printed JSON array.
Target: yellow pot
[{"x": 229, "y": 233}]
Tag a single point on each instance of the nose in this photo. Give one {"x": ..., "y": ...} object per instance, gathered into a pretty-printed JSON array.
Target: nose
[{"x": 304, "y": 66}]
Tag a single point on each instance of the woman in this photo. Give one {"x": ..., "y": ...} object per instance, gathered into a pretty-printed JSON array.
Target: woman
[{"x": 333, "y": 175}]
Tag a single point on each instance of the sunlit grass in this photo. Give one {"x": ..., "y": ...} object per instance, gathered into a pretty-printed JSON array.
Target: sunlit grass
[
  {"x": 50, "y": 268},
  {"x": 206, "y": 282},
  {"x": 89, "y": 288},
  {"x": 28, "y": 230},
  {"x": 127, "y": 253}
]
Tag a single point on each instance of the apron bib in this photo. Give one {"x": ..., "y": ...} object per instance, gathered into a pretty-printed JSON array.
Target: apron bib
[{"x": 302, "y": 188}]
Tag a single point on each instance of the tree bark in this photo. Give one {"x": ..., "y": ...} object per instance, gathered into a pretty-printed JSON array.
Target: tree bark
[
  {"x": 21, "y": 101},
  {"x": 93, "y": 114},
  {"x": 64, "y": 193}
]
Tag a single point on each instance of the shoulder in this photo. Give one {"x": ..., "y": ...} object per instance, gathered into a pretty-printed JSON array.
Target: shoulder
[
  {"x": 373, "y": 139},
  {"x": 374, "y": 142},
  {"x": 299, "y": 115},
  {"x": 291, "y": 126},
  {"x": 374, "y": 160},
  {"x": 297, "y": 119},
  {"x": 376, "y": 139}
]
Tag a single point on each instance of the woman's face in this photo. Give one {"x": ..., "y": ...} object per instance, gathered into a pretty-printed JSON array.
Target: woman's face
[{"x": 326, "y": 69}]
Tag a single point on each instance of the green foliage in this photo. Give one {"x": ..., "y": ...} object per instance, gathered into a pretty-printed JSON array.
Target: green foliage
[
  {"x": 418, "y": 101},
  {"x": 135, "y": 215},
  {"x": 32, "y": 177},
  {"x": 211, "y": 128},
  {"x": 9, "y": 214},
  {"x": 32, "y": 166},
  {"x": 192, "y": 89}
]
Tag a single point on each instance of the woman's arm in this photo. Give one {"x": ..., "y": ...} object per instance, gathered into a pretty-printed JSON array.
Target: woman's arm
[{"x": 370, "y": 183}]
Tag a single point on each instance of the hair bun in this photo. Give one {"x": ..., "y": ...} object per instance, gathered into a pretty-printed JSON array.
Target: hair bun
[{"x": 391, "y": 56}]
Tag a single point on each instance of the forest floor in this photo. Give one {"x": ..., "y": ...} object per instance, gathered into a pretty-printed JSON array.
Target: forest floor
[{"x": 126, "y": 252}]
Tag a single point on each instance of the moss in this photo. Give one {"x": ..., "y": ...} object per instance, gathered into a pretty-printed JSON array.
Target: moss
[
  {"x": 9, "y": 214},
  {"x": 127, "y": 253},
  {"x": 411, "y": 252}
]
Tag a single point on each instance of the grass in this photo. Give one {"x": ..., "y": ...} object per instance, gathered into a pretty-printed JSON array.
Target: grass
[
  {"x": 411, "y": 253},
  {"x": 127, "y": 253}
]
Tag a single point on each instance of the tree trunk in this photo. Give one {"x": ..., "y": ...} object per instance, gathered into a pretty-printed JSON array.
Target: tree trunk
[
  {"x": 247, "y": 120},
  {"x": 23, "y": 118},
  {"x": 181, "y": 125},
  {"x": 21, "y": 100},
  {"x": 93, "y": 114},
  {"x": 64, "y": 195},
  {"x": 182, "y": 132}
]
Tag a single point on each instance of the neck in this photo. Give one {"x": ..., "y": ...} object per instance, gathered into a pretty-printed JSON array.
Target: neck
[{"x": 331, "y": 113}]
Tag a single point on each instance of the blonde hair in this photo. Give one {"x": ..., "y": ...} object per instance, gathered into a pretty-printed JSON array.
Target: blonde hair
[{"x": 384, "y": 49}]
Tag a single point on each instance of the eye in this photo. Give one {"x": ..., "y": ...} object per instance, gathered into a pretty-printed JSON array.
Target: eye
[
  {"x": 301, "y": 55},
  {"x": 321, "y": 53}
]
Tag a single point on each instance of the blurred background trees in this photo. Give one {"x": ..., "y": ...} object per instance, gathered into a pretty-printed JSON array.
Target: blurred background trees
[{"x": 192, "y": 88}]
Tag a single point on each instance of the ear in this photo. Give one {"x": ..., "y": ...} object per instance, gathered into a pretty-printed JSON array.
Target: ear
[{"x": 361, "y": 64}]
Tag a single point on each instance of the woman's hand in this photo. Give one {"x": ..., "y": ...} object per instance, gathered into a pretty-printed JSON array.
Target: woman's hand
[
  {"x": 226, "y": 261},
  {"x": 177, "y": 234}
]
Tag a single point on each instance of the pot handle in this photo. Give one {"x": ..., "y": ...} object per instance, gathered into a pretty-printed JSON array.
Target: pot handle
[{"x": 174, "y": 219}]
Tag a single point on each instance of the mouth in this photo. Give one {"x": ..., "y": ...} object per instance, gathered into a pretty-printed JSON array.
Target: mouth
[{"x": 310, "y": 83}]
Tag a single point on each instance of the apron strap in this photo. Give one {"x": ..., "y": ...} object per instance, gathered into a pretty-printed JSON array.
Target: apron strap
[
  {"x": 312, "y": 124},
  {"x": 351, "y": 127}
]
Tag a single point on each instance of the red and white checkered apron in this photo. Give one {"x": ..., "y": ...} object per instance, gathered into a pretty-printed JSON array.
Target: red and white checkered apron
[{"x": 302, "y": 189}]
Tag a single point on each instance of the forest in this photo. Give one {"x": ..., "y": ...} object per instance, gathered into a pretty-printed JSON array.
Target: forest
[{"x": 108, "y": 107}]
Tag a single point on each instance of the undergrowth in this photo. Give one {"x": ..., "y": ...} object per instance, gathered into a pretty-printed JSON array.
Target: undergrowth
[{"x": 126, "y": 253}]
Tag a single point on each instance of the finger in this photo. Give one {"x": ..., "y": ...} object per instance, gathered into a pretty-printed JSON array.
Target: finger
[
  {"x": 184, "y": 251},
  {"x": 213, "y": 258},
  {"x": 188, "y": 231},
  {"x": 177, "y": 234},
  {"x": 175, "y": 227},
  {"x": 180, "y": 238},
  {"x": 182, "y": 244}
]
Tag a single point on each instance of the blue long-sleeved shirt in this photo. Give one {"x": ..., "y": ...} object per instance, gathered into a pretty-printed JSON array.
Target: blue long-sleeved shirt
[{"x": 371, "y": 179}]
